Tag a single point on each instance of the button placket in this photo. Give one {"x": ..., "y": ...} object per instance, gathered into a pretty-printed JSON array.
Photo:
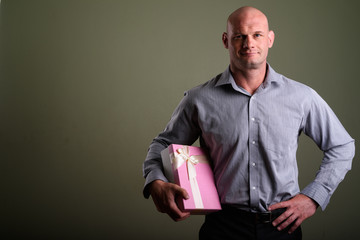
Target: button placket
[{"x": 253, "y": 149}]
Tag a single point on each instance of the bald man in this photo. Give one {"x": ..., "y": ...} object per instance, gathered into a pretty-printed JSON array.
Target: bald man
[{"x": 249, "y": 119}]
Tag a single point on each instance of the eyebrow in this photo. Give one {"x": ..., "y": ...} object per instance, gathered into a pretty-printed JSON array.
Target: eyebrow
[{"x": 256, "y": 32}]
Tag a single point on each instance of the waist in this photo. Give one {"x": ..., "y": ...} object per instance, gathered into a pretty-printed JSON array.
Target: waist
[{"x": 256, "y": 217}]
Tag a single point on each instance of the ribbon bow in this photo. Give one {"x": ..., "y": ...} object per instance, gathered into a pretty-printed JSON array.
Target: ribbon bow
[{"x": 183, "y": 155}]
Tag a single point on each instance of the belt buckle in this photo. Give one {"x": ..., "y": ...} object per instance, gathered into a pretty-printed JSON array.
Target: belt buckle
[{"x": 263, "y": 217}]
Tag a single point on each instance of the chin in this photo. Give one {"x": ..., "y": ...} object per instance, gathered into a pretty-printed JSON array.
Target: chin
[{"x": 252, "y": 65}]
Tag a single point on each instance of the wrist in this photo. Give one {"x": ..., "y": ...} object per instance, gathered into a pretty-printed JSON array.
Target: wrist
[
  {"x": 311, "y": 199},
  {"x": 154, "y": 184}
]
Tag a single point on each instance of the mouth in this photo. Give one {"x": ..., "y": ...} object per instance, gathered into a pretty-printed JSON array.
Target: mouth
[{"x": 248, "y": 54}]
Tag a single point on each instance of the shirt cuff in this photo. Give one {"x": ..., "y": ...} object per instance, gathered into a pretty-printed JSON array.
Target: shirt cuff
[
  {"x": 318, "y": 193},
  {"x": 155, "y": 174}
]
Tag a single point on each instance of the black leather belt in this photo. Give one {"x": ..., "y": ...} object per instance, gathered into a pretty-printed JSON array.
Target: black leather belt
[
  {"x": 256, "y": 217},
  {"x": 264, "y": 217}
]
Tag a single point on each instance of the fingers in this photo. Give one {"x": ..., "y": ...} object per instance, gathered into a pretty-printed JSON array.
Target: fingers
[
  {"x": 175, "y": 213},
  {"x": 278, "y": 205},
  {"x": 173, "y": 210},
  {"x": 293, "y": 220},
  {"x": 295, "y": 226},
  {"x": 164, "y": 196},
  {"x": 283, "y": 218},
  {"x": 181, "y": 192},
  {"x": 298, "y": 209}
]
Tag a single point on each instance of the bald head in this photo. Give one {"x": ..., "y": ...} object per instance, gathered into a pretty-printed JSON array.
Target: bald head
[
  {"x": 248, "y": 39},
  {"x": 247, "y": 14}
]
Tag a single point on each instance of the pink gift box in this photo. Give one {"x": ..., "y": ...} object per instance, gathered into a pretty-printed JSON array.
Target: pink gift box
[{"x": 189, "y": 167}]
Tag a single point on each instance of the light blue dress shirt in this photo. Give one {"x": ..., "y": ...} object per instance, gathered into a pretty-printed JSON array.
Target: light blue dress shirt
[{"x": 252, "y": 140}]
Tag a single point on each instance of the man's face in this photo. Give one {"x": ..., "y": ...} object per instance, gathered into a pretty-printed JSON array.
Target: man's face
[{"x": 248, "y": 40}]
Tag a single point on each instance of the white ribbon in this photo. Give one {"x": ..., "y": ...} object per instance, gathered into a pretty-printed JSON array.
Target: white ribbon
[{"x": 181, "y": 156}]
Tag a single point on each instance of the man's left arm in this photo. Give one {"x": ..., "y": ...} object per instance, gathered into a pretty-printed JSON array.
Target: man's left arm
[{"x": 321, "y": 125}]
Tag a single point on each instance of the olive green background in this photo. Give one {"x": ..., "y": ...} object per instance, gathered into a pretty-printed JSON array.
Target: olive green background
[{"x": 86, "y": 85}]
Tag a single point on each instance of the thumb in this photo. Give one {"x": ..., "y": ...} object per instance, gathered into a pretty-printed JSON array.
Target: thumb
[{"x": 181, "y": 192}]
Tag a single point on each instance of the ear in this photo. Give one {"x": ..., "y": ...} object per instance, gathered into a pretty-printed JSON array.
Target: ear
[
  {"x": 271, "y": 37},
  {"x": 225, "y": 40}
]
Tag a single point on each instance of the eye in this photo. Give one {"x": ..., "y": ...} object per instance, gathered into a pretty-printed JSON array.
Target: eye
[
  {"x": 238, "y": 36},
  {"x": 257, "y": 35}
]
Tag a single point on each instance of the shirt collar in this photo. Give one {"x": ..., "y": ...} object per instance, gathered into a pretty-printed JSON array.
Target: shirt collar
[
  {"x": 224, "y": 78},
  {"x": 271, "y": 76}
]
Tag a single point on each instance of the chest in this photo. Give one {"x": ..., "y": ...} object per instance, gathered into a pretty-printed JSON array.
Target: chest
[{"x": 274, "y": 120}]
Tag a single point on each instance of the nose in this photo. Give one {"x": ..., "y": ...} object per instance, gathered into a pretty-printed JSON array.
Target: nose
[{"x": 248, "y": 42}]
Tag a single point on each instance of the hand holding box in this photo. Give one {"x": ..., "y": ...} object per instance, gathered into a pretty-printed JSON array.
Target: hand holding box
[{"x": 190, "y": 168}]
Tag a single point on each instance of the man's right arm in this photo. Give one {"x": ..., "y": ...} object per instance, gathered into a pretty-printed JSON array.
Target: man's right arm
[{"x": 181, "y": 129}]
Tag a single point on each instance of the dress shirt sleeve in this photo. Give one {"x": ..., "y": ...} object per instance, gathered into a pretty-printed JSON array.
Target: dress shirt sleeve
[
  {"x": 181, "y": 129},
  {"x": 322, "y": 125}
]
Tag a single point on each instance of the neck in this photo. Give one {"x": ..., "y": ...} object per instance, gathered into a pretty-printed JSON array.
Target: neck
[{"x": 249, "y": 79}]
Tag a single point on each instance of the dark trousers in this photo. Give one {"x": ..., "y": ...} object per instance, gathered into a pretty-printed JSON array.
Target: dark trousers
[{"x": 232, "y": 223}]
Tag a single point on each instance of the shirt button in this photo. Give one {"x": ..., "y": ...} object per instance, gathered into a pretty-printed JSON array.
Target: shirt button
[
  {"x": 253, "y": 142},
  {"x": 254, "y": 188},
  {"x": 253, "y": 164},
  {"x": 253, "y": 119}
]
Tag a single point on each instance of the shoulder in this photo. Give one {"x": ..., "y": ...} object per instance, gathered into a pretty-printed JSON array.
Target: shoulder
[
  {"x": 302, "y": 95},
  {"x": 294, "y": 92},
  {"x": 293, "y": 84},
  {"x": 205, "y": 89},
  {"x": 286, "y": 84},
  {"x": 297, "y": 88}
]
